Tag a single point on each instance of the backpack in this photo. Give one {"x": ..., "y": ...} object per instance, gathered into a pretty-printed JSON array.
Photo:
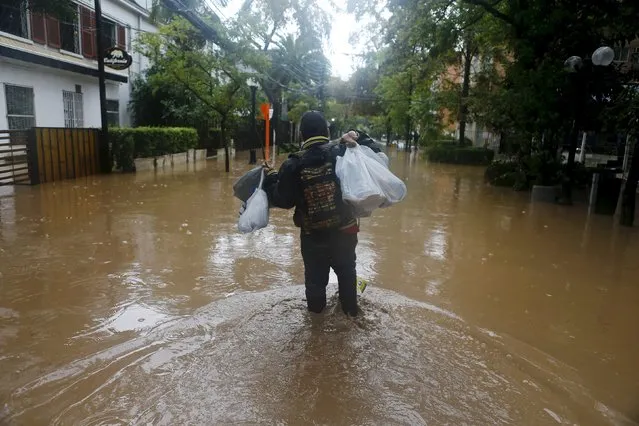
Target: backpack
[{"x": 321, "y": 196}]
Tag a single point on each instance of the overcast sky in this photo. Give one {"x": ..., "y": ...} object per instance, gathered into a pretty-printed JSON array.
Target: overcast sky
[{"x": 339, "y": 50}]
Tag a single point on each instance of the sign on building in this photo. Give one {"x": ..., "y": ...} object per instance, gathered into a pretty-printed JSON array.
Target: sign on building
[{"x": 117, "y": 58}]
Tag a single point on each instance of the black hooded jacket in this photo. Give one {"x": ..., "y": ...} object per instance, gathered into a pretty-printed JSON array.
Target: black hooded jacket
[{"x": 284, "y": 189}]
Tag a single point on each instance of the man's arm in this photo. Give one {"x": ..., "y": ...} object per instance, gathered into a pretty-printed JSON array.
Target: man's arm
[{"x": 281, "y": 187}]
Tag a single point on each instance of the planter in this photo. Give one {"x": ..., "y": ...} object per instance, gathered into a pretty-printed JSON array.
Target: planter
[
  {"x": 169, "y": 160},
  {"x": 200, "y": 154},
  {"x": 178, "y": 159},
  {"x": 220, "y": 153},
  {"x": 545, "y": 193},
  {"x": 142, "y": 164}
]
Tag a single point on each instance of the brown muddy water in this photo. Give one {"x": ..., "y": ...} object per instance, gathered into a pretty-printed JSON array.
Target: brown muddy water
[{"x": 131, "y": 299}]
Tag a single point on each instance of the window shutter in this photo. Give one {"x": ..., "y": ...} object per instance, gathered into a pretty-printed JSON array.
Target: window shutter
[
  {"x": 53, "y": 32},
  {"x": 87, "y": 26},
  {"x": 121, "y": 37},
  {"x": 38, "y": 28}
]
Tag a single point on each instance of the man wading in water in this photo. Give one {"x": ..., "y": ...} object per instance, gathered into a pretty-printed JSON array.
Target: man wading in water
[{"x": 307, "y": 181}]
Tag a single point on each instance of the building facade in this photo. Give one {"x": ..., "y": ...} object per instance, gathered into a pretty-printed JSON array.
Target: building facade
[{"x": 48, "y": 67}]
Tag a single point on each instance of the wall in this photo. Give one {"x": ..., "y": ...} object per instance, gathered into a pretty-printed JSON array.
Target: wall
[{"x": 48, "y": 84}]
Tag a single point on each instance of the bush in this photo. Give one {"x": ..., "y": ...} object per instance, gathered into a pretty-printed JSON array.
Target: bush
[
  {"x": 123, "y": 150},
  {"x": 455, "y": 154},
  {"x": 507, "y": 173},
  {"x": 140, "y": 142}
]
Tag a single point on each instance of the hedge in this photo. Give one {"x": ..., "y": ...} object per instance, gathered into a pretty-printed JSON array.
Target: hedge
[
  {"x": 454, "y": 154},
  {"x": 506, "y": 173},
  {"x": 139, "y": 142}
]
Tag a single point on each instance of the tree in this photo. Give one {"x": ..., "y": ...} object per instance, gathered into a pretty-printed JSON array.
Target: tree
[
  {"x": 61, "y": 9},
  {"x": 183, "y": 59}
]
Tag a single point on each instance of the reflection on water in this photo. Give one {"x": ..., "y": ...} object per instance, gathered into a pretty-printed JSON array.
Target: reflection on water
[{"x": 131, "y": 299}]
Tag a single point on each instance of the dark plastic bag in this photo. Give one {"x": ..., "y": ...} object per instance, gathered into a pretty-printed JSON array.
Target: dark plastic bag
[{"x": 246, "y": 185}]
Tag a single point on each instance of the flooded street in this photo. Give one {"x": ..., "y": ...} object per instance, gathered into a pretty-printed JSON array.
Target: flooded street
[{"x": 132, "y": 299}]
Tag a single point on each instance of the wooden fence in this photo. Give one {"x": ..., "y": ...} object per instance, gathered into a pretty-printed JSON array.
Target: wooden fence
[
  {"x": 48, "y": 154},
  {"x": 62, "y": 153}
]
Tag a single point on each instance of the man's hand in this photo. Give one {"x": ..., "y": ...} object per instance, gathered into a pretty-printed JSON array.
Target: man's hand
[
  {"x": 350, "y": 138},
  {"x": 242, "y": 208}
]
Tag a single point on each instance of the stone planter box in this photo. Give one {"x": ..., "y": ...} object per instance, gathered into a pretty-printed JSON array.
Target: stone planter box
[
  {"x": 180, "y": 158},
  {"x": 200, "y": 155},
  {"x": 143, "y": 164},
  {"x": 220, "y": 153},
  {"x": 545, "y": 194},
  {"x": 170, "y": 160}
]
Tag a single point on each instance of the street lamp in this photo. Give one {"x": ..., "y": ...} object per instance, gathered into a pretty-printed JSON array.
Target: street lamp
[
  {"x": 602, "y": 57},
  {"x": 252, "y": 84}
]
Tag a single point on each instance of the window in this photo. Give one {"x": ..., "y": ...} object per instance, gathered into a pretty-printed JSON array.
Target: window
[
  {"x": 70, "y": 35},
  {"x": 109, "y": 34},
  {"x": 73, "y": 109},
  {"x": 20, "y": 107},
  {"x": 13, "y": 18},
  {"x": 113, "y": 113}
]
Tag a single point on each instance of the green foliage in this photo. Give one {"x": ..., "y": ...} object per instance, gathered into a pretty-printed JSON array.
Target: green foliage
[
  {"x": 536, "y": 168},
  {"x": 506, "y": 173},
  {"x": 183, "y": 61},
  {"x": 454, "y": 154},
  {"x": 516, "y": 50},
  {"x": 123, "y": 149},
  {"x": 142, "y": 142},
  {"x": 65, "y": 10}
]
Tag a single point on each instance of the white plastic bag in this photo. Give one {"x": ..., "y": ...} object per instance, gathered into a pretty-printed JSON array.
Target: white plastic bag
[
  {"x": 393, "y": 188},
  {"x": 255, "y": 215},
  {"x": 366, "y": 182},
  {"x": 372, "y": 154},
  {"x": 358, "y": 187},
  {"x": 385, "y": 159}
]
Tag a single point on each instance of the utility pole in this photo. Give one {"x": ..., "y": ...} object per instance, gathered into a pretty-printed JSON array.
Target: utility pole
[
  {"x": 252, "y": 153},
  {"x": 104, "y": 139}
]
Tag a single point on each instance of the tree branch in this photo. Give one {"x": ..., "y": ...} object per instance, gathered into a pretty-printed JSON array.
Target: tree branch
[
  {"x": 268, "y": 41},
  {"x": 196, "y": 94},
  {"x": 491, "y": 8}
]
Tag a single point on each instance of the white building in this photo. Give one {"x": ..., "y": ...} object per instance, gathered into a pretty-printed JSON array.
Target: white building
[{"x": 48, "y": 68}]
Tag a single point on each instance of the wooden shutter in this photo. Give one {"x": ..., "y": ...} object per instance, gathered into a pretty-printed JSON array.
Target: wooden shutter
[
  {"x": 53, "y": 32},
  {"x": 87, "y": 26},
  {"x": 38, "y": 28},
  {"x": 121, "y": 37}
]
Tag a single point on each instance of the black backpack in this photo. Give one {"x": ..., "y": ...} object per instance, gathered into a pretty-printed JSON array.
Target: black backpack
[{"x": 321, "y": 196}]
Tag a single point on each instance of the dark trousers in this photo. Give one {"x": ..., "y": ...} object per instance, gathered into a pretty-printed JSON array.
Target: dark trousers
[{"x": 322, "y": 251}]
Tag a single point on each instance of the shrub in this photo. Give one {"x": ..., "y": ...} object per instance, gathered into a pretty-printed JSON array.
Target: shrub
[
  {"x": 455, "y": 154},
  {"x": 507, "y": 173},
  {"x": 139, "y": 142},
  {"x": 123, "y": 149}
]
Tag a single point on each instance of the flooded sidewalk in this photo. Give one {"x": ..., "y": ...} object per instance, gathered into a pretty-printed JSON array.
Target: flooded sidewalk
[{"x": 132, "y": 299}]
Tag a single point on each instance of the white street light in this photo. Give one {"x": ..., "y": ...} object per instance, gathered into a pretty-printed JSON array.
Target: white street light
[
  {"x": 603, "y": 56},
  {"x": 573, "y": 64}
]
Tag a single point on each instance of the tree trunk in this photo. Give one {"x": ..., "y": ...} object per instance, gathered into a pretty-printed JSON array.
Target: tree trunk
[
  {"x": 389, "y": 130},
  {"x": 463, "y": 108},
  {"x": 629, "y": 196},
  {"x": 407, "y": 137},
  {"x": 227, "y": 163},
  {"x": 566, "y": 185}
]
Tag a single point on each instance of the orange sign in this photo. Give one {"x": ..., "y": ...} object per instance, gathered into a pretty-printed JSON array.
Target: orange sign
[{"x": 264, "y": 109}]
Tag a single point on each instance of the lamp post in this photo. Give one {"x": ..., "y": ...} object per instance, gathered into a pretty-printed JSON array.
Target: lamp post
[
  {"x": 252, "y": 84},
  {"x": 104, "y": 140},
  {"x": 602, "y": 57}
]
